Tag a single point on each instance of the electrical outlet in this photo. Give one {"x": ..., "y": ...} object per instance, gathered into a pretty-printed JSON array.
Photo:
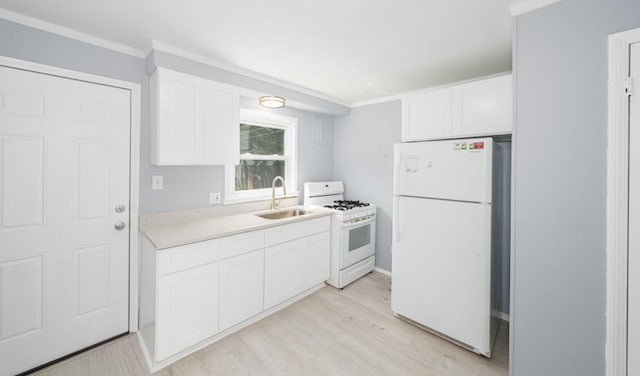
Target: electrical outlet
[
  {"x": 214, "y": 198},
  {"x": 156, "y": 182}
]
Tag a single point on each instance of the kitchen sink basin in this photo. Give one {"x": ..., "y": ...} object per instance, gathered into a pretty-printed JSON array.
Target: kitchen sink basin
[{"x": 280, "y": 214}]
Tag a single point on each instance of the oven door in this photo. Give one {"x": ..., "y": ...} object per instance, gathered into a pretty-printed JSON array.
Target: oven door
[{"x": 358, "y": 240}]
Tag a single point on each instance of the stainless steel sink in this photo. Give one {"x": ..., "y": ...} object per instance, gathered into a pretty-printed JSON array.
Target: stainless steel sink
[{"x": 280, "y": 214}]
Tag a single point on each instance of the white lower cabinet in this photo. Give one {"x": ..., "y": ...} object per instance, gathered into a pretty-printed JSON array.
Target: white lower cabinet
[
  {"x": 282, "y": 269},
  {"x": 295, "y": 266},
  {"x": 316, "y": 260},
  {"x": 195, "y": 294},
  {"x": 241, "y": 288},
  {"x": 187, "y": 308}
]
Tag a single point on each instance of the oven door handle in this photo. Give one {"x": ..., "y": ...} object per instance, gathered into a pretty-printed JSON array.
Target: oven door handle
[{"x": 368, "y": 219}]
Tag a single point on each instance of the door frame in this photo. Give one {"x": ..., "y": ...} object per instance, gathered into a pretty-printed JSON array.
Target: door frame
[
  {"x": 617, "y": 202},
  {"x": 134, "y": 166}
]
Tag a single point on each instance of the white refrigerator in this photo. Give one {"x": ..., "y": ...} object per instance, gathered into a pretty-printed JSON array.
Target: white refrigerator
[{"x": 442, "y": 234}]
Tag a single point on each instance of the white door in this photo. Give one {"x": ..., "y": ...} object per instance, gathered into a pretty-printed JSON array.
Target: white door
[
  {"x": 442, "y": 267},
  {"x": 633, "y": 357},
  {"x": 241, "y": 288},
  {"x": 452, "y": 169},
  {"x": 64, "y": 168}
]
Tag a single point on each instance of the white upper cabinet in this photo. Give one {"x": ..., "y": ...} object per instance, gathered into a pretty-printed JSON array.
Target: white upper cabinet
[
  {"x": 427, "y": 115},
  {"x": 194, "y": 121},
  {"x": 480, "y": 108},
  {"x": 483, "y": 107}
]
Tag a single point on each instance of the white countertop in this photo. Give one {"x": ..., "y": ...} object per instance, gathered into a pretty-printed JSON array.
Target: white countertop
[{"x": 167, "y": 235}]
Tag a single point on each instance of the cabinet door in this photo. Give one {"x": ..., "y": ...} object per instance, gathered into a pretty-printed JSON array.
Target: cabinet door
[
  {"x": 221, "y": 124},
  {"x": 241, "y": 288},
  {"x": 177, "y": 125},
  {"x": 483, "y": 107},
  {"x": 194, "y": 120},
  {"x": 315, "y": 260},
  {"x": 187, "y": 309},
  {"x": 426, "y": 116},
  {"x": 282, "y": 272}
]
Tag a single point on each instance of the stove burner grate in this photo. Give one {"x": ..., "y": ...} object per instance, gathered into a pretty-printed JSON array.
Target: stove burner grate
[{"x": 346, "y": 205}]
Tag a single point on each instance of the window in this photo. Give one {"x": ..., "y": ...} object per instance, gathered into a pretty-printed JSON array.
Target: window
[{"x": 267, "y": 149}]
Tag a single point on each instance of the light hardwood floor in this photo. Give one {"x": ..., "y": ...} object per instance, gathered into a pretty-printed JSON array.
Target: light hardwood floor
[{"x": 331, "y": 332}]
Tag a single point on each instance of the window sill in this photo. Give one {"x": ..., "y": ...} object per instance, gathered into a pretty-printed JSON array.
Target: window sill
[{"x": 254, "y": 198}]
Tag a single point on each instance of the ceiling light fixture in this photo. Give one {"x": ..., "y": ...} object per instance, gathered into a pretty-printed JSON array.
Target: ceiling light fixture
[{"x": 271, "y": 101}]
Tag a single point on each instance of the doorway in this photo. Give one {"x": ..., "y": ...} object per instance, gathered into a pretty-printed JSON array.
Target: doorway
[
  {"x": 65, "y": 213},
  {"x": 623, "y": 206}
]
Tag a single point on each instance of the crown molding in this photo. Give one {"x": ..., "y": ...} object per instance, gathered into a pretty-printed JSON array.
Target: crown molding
[
  {"x": 69, "y": 33},
  {"x": 525, "y": 6},
  {"x": 420, "y": 91},
  {"x": 161, "y": 46}
]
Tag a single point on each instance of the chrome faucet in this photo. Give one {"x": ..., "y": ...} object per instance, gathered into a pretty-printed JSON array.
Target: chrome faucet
[{"x": 273, "y": 191}]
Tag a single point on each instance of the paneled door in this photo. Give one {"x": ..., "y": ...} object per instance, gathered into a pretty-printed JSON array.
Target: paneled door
[
  {"x": 633, "y": 313},
  {"x": 64, "y": 216}
]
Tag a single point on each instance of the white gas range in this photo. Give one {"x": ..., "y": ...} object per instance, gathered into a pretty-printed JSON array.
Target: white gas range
[{"x": 353, "y": 231}]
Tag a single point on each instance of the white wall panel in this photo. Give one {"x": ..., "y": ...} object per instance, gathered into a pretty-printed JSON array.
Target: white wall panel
[
  {"x": 22, "y": 181},
  {"x": 23, "y": 103},
  {"x": 21, "y": 310},
  {"x": 91, "y": 279}
]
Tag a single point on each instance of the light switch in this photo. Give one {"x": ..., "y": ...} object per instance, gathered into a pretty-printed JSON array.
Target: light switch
[{"x": 156, "y": 183}]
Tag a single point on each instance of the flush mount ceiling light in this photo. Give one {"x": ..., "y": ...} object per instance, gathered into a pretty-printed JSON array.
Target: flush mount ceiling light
[{"x": 271, "y": 101}]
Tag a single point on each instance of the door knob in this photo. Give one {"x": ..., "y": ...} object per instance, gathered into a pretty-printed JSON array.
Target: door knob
[
  {"x": 119, "y": 226},
  {"x": 120, "y": 208}
]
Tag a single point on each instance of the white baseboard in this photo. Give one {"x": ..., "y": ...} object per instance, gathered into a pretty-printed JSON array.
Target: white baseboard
[{"x": 380, "y": 270}]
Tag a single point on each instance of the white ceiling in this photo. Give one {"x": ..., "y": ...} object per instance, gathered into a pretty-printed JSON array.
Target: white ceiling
[{"x": 354, "y": 50}]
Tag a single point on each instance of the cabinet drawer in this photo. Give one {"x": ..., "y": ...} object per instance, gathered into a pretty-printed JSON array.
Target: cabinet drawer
[
  {"x": 296, "y": 230},
  {"x": 242, "y": 243},
  {"x": 188, "y": 256}
]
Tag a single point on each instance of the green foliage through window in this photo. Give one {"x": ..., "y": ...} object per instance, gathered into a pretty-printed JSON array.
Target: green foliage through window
[
  {"x": 255, "y": 140},
  {"x": 261, "y": 140},
  {"x": 256, "y": 174}
]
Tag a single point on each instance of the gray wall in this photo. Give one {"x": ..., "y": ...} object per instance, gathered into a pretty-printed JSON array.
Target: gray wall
[
  {"x": 184, "y": 187},
  {"x": 558, "y": 306},
  {"x": 363, "y": 159}
]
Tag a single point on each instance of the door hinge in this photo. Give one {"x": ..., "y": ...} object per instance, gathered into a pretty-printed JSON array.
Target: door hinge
[{"x": 628, "y": 86}]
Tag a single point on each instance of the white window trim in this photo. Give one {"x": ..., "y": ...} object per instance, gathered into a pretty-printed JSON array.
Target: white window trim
[{"x": 290, "y": 124}]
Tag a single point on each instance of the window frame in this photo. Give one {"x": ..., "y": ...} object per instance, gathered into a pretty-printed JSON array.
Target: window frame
[{"x": 269, "y": 120}]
